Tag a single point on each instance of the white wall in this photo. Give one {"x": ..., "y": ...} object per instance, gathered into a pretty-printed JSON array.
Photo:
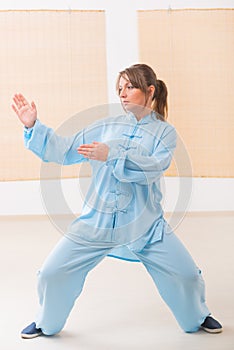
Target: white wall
[
  {"x": 20, "y": 198},
  {"x": 121, "y": 29}
]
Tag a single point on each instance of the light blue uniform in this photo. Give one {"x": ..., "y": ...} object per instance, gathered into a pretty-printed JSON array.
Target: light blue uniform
[{"x": 121, "y": 217}]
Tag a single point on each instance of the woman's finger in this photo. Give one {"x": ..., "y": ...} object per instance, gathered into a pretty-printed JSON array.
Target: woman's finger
[
  {"x": 23, "y": 100},
  {"x": 17, "y": 101},
  {"x": 89, "y": 145},
  {"x": 33, "y": 105},
  {"x": 15, "y": 109}
]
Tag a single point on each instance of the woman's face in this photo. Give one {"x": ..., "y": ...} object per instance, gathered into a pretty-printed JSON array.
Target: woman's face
[{"x": 132, "y": 99}]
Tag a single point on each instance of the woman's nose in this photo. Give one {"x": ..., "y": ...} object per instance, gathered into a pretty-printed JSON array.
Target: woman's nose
[{"x": 123, "y": 93}]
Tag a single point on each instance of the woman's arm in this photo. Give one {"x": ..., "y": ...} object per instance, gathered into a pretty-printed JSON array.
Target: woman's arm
[
  {"x": 50, "y": 147},
  {"x": 128, "y": 166},
  {"x": 131, "y": 167},
  {"x": 43, "y": 141}
]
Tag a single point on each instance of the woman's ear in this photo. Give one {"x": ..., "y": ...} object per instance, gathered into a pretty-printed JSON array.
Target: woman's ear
[{"x": 151, "y": 90}]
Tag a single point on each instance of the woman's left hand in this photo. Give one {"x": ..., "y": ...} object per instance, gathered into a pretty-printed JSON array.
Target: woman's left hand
[{"x": 95, "y": 151}]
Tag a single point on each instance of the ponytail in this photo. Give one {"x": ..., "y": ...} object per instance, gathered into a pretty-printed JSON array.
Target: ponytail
[{"x": 160, "y": 100}]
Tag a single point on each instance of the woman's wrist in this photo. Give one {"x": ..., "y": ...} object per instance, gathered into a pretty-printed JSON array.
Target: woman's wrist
[{"x": 31, "y": 125}]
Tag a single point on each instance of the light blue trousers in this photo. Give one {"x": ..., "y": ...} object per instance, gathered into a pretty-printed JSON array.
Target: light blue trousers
[{"x": 179, "y": 281}]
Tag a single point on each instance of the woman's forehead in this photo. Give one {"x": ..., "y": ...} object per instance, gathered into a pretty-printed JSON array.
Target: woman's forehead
[{"x": 124, "y": 79}]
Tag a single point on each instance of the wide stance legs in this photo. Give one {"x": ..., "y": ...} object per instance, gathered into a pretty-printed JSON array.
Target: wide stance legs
[
  {"x": 61, "y": 280},
  {"x": 179, "y": 281}
]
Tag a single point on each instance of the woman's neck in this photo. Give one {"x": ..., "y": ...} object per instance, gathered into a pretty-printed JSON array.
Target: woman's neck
[{"x": 142, "y": 113}]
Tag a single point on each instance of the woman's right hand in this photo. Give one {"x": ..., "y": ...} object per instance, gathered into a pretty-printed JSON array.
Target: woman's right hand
[{"x": 27, "y": 113}]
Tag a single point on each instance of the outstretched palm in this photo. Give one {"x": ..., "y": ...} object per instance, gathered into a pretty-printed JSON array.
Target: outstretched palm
[{"x": 27, "y": 113}]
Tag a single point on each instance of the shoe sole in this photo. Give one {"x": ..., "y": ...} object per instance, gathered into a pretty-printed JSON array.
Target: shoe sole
[
  {"x": 30, "y": 336},
  {"x": 212, "y": 331}
]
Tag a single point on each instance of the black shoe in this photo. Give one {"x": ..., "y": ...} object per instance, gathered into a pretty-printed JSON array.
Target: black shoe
[
  {"x": 210, "y": 325},
  {"x": 31, "y": 331}
]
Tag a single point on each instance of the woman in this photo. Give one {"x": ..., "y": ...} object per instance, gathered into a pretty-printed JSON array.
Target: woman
[{"x": 122, "y": 215}]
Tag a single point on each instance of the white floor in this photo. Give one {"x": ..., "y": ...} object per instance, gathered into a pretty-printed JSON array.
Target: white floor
[{"x": 120, "y": 309}]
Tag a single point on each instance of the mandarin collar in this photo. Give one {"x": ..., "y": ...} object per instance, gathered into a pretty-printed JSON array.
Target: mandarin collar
[{"x": 145, "y": 120}]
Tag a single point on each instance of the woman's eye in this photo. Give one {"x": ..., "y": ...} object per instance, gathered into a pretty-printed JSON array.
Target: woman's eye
[{"x": 128, "y": 87}]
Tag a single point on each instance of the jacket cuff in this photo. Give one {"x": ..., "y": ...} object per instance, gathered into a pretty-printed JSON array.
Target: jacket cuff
[{"x": 114, "y": 154}]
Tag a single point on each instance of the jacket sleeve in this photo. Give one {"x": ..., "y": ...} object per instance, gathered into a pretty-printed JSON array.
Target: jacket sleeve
[
  {"x": 50, "y": 147},
  {"x": 128, "y": 166}
]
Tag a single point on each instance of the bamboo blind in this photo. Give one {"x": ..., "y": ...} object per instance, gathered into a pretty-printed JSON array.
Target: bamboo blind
[
  {"x": 193, "y": 52},
  {"x": 57, "y": 59}
]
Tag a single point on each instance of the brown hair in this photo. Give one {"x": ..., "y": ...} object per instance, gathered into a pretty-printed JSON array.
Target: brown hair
[{"x": 141, "y": 77}]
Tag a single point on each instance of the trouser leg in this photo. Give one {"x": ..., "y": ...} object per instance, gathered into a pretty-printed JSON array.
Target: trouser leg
[
  {"x": 60, "y": 281},
  {"x": 178, "y": 279}
]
